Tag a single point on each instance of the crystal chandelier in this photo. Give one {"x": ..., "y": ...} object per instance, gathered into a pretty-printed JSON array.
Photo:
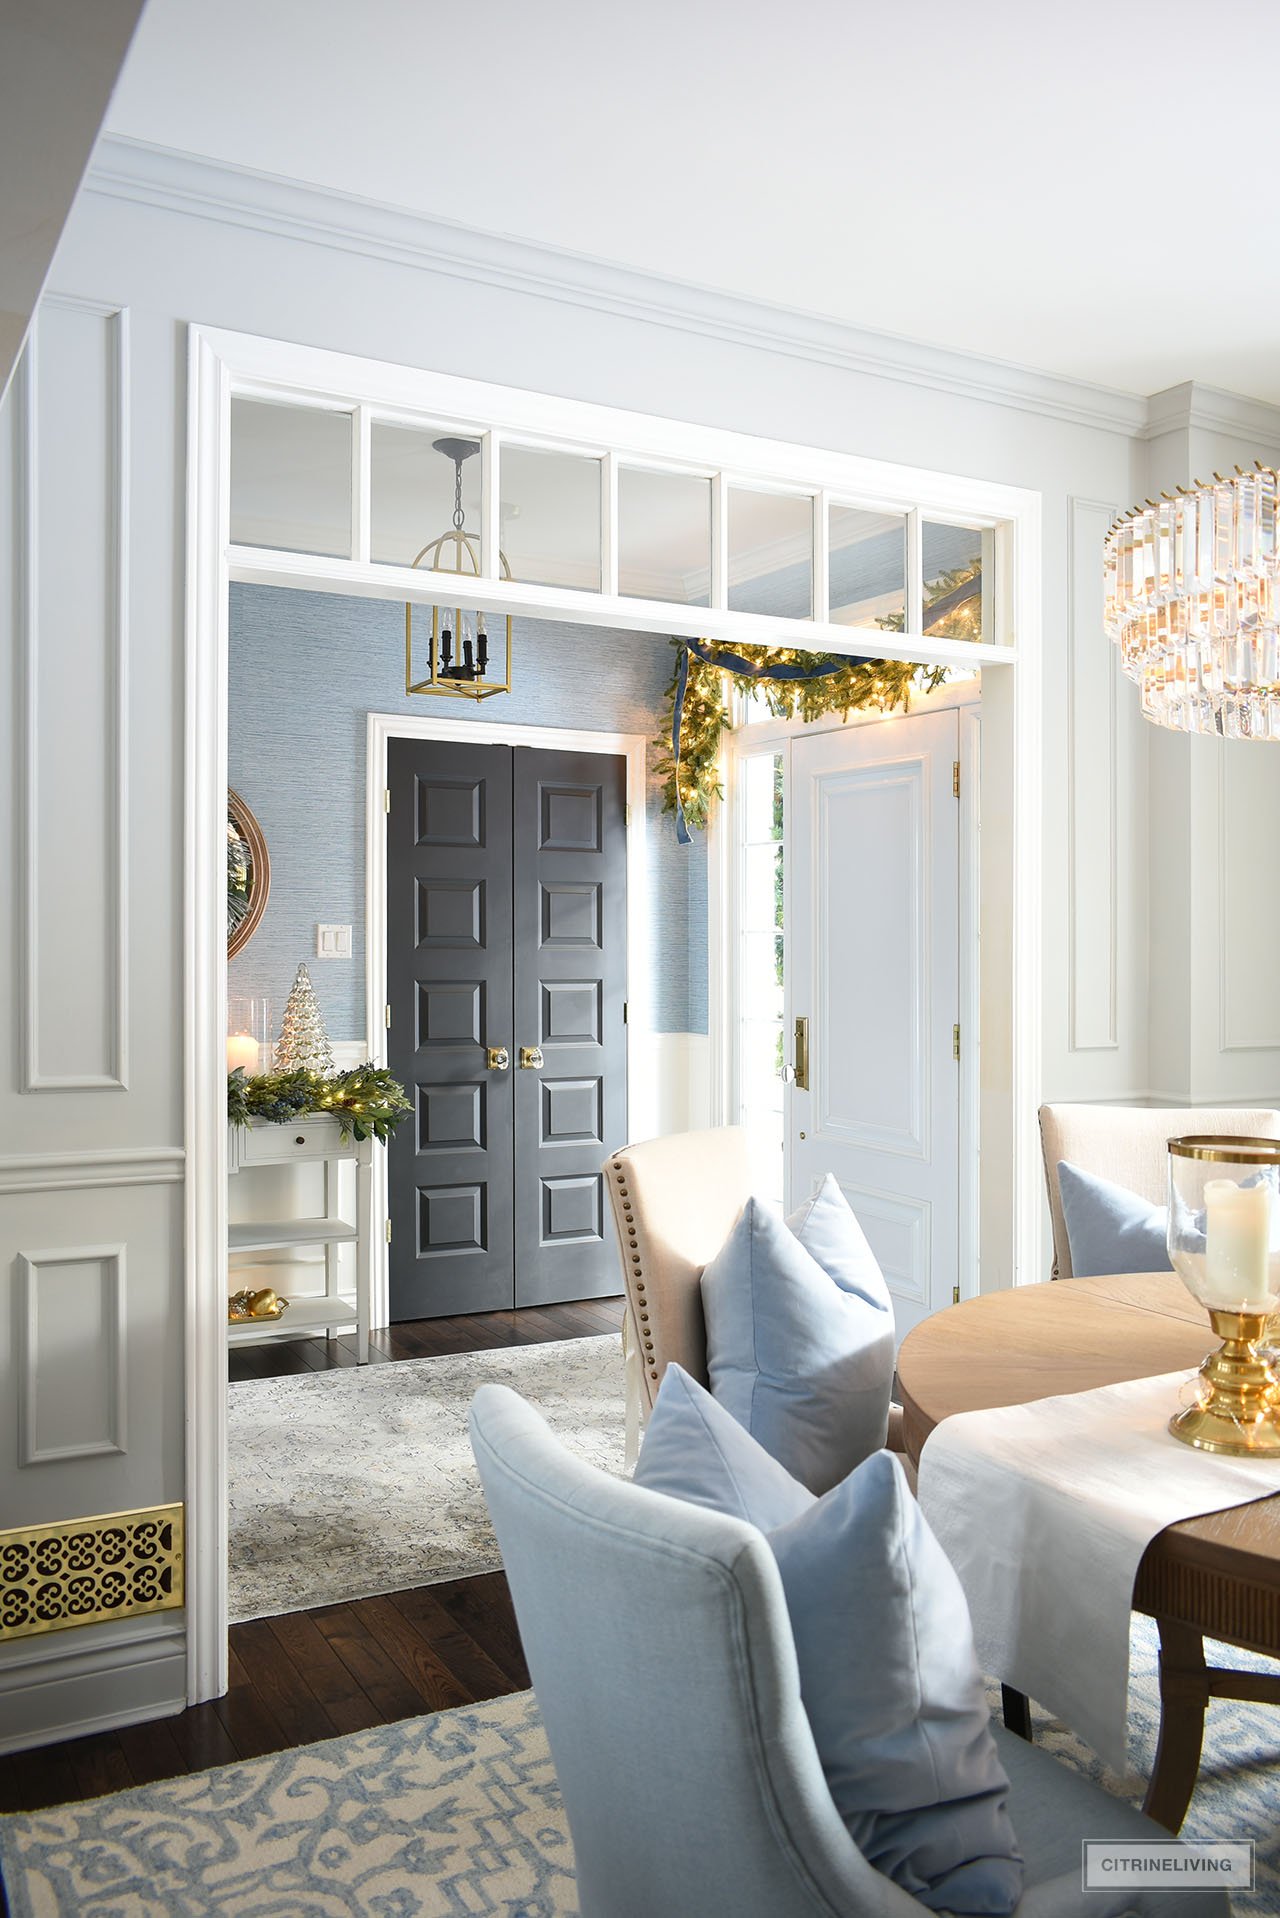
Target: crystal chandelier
[
  {"x": 1193, "y": 602},
  {"x": 458, "y": 646}
]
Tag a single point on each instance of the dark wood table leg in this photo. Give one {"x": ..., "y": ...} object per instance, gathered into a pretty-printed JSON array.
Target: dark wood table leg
[
  {"x": 1017, "y": 1712},
  {"x": 1184, "y": 1697}
]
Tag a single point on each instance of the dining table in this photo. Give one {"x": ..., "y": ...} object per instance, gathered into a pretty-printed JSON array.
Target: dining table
[{"x": 1216, "y": 1576}]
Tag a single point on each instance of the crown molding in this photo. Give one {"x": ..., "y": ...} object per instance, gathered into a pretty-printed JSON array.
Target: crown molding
[
  {"x": 1193, "y": 406},
  {"x": 186, "y": 183}
]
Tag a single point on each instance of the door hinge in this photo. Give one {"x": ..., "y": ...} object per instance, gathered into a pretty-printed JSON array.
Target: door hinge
[
  {"x": 388, "y": 1014},
  {"x": 626, "y": 1011},
  {"x": 955, "y": 777},
  {"x": 386, "y": 799},
  {"x": 955, "y": 1295},
  {"x": 388, "y": 1231},
  {"x": 626, "y": 815},
  {"x": 955, "y": 1042}
]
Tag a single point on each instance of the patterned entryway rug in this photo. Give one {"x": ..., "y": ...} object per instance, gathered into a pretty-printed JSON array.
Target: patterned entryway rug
[{"x": 345, "y": 1484}]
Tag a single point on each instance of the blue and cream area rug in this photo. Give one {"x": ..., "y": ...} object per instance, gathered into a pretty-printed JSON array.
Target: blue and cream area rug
[
  {"x": 454, "y": 1816},
  {"x": 1237, "y": 1796},
  {"x": 459, "y": 1816}
]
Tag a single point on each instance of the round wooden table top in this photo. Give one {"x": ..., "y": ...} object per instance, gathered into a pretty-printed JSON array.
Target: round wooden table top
[{"x": 1220, "y": 1572}]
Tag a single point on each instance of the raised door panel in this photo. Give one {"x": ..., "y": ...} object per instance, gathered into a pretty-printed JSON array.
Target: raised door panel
[
  {"x": 449, "y": 967},
  {"x": 571, "y": 970},
  {"x": 872, "y": 1075},
  {"x": 873, "y": 937}
]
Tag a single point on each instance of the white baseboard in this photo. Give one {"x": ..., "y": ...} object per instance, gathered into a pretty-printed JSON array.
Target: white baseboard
[{"x": 91, "y": 1678}]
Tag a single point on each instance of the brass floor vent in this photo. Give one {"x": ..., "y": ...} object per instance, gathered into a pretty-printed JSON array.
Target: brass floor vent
[{"x": 84, "y": 1570}]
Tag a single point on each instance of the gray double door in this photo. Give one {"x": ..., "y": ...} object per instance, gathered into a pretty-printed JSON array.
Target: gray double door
[{"x": 506, "y": 984}]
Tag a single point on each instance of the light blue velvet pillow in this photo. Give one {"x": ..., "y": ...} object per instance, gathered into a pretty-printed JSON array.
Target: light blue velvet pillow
[
  {"x": 888, "y": 1674},
  {"x": 800, "y": 1335},
  {"x": 693, "y": 1449},
  {"x": 1109, "y": 1228}
]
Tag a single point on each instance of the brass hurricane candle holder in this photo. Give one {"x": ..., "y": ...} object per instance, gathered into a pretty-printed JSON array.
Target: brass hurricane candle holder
[{"x": 1224, "y": 1218}]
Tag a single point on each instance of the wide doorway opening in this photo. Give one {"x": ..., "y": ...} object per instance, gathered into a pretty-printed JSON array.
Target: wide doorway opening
[{"x": 562, "y": 490}]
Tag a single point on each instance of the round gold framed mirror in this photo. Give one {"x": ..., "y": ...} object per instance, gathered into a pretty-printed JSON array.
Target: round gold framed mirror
[{"x": 248, "y": 874}]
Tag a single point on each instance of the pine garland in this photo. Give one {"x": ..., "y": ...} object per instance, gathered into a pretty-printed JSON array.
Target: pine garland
[
  {"x": 880, "y": 683},
  {"x": 367, "y": 1101}
]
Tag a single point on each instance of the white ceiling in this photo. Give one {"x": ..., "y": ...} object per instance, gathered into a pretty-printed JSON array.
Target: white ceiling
[{"x": 1082, "y": 187}]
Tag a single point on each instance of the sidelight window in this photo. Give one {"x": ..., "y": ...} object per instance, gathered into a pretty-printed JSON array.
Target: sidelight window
[{"x": 760, "y": 1038}]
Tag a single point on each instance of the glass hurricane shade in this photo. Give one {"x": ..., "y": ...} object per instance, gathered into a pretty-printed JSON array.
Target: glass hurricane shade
[
  {"x": 249, "y": 1034},
  {"x": 1224, "y": 1221},
  {"x": 1193, "y": 602}
]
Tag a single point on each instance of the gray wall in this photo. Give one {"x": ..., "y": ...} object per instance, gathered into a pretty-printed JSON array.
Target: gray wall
[{"x": 306, "y": 670}]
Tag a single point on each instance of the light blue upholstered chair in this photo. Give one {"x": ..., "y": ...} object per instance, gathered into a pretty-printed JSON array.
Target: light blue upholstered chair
[{"x": 658, "y": 1640}]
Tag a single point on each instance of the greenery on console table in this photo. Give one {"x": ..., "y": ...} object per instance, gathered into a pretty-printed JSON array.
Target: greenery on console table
[{"x": 366, "y": 1101}]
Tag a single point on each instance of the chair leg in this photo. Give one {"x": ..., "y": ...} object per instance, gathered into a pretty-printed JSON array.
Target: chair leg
[{"x": 1016, "y": 1707}]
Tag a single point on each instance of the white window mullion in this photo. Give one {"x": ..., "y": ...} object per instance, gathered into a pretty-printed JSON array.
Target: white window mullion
[
  {"x": 719, "y": 541},
  {"x": 361, "y": 484},
  {"x": 915, "y": 574},
  {"x": 821, "y": 560},
  {"x": 490, "y": 520},
  {"x": 609, "y": 524}
]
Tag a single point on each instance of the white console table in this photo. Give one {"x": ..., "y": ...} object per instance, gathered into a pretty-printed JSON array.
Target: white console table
[{"x": 315, "y": 1139}]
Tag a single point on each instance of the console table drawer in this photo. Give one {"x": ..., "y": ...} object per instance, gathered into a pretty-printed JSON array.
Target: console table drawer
[{"x": 267, "y": 1144}]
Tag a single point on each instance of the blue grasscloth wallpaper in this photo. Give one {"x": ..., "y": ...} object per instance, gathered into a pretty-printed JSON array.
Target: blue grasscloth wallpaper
[{"x": 307, "y": 668}]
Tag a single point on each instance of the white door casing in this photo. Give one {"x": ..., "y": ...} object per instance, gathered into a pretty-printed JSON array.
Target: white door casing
[
  {"x": 220, "y": 362},
  {"x": 873, "y": 961}
]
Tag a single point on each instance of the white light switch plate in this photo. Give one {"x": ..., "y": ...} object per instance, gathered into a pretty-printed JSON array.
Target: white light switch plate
[{"x": 333, "y": 942}]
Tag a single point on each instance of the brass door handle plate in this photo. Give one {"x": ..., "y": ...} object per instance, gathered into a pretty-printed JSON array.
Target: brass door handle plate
[
  {"x": 531, "y": 1059},
  {"x": 802, "y": 1056},
  {"x": 497, "y": 1058}
]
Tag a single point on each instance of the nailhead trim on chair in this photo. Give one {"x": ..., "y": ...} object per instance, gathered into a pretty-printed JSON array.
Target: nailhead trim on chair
[{"x": 637, "y": 1274}]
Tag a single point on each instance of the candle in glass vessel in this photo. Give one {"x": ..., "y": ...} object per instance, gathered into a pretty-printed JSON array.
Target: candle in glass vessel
[
  {"x": 242, "y": 1050},
  {"x": 1237, "y": 1238}
]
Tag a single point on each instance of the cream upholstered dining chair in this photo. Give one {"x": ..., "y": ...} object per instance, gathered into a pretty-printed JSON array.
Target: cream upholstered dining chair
[
  {"x": 1129, "y": 1146},
  {"x": 675, "y": 1200}
]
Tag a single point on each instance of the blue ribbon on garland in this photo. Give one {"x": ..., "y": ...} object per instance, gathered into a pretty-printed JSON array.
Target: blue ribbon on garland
[{"x": 735, "y": 663}]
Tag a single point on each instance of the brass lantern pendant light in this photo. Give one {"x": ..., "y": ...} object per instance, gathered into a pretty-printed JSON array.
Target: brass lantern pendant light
[{"x": 458, "y": 657}]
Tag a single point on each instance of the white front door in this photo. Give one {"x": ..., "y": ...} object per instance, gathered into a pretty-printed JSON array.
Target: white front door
[{"x": 873, "y": 952}]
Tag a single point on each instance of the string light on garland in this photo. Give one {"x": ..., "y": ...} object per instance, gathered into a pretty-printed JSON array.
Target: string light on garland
[
  {"x": 366, "y": 1101},
  {"x": 794, "y": 684}
]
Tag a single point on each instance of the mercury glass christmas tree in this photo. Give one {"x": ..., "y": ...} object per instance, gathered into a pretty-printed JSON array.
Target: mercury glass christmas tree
[{"x": 303, "y": 1045}]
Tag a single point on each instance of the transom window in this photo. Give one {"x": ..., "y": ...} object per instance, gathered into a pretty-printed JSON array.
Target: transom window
[{"x": 352, "y": 483}]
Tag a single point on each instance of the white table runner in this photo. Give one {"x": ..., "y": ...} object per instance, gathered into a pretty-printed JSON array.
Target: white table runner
[{"x": 1045, "y": 1511}]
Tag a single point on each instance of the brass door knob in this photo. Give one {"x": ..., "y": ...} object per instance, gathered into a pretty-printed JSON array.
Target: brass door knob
[
  {"x": 497, "y": 1058},
  {"x": 531, "y": 1057}
]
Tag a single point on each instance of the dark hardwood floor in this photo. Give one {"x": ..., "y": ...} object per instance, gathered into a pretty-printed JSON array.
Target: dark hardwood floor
[
  {"x": 341, "y": 1668},
  {"x": 430, "y": 1338}
]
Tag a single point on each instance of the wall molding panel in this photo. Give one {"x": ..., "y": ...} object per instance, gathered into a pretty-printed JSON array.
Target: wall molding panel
[
  {"x": 74, "y": 396},
  {"x": 72, "y": 1398},
  {"x": 1248, "y": 789},
  {"x": 79, "y": 1171},
  {"x": 1093, "y": 773}
]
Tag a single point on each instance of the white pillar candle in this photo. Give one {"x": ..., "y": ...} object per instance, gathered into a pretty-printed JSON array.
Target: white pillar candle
[
  {"x": 242, "y": 1050},
  {"x": 1237, "y": 1236}
]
